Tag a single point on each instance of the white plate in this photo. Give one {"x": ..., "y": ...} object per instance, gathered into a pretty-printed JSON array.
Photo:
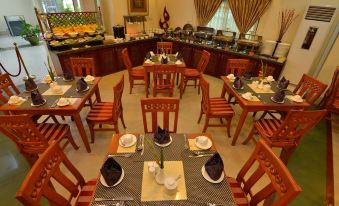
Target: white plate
[
  {"x": 207, "y": 146},
  {"x": 164, "y": 145},
  {"x": 67, "y": 80},
  {"x": 249, "y": 99},
  {"x": 33, "y": 105},
  {"x": 237, "y": 88},
  {"x": 207, "y": 177},
  {"x": 277, "y": 101},
  {"x": 103, "y": 182},
  {"x": 134, "y": 140},
  {"x": 83, "y": 90}
]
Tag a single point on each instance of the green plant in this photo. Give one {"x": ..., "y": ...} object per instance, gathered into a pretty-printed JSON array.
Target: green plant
[
  {"x": 49, "y": 69},
  {"x": 159, "y": 159},
  {"x": 29, "y": 30}
]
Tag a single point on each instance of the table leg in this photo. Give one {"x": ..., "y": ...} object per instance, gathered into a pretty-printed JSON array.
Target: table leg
[
  {"x": 223, "y": 91},
  {"x": 181, "y": 84},
  {"x": 239, "y": 126},
  {"x": 97, "y": 94},
  {"x": 146, "y": 83},
  {"x": 81, "y": 130}
]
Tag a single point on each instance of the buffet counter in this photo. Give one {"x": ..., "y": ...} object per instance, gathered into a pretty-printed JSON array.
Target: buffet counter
[{"x": 108, "y": 56}]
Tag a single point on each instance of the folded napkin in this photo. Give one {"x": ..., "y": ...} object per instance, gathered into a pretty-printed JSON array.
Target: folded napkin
[
  {"x": 284, "y": 84},
  {"x": 30, "y": 84},
  {"x": 152, "y": 53},
  {"x": 111, "y": 171},
  {"x": 214, "y": 167},
  {"x": 148, "y": 61},
  {"x": 248, "y": 74},
  {"x": 37, "y": 98},
  {"x": 279, "y": 96},
  {"x": 164, "y": 60},
  {"x": 68, "y": 75},
  {"x": 81, "y": 85},
  {"x": 238, "y": 83},
  {"x": 161, "y": 136}
]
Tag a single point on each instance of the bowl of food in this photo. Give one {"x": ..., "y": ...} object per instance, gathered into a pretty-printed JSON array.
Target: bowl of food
[
  {"x": 59, "y": 35},
  {"x": 73, "y": 34}
]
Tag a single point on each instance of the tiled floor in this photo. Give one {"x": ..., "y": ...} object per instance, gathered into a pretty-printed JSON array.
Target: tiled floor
[{"x": 13, "y": 166}]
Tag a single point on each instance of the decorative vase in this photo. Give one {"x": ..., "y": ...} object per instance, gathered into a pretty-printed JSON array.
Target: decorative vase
[
  {"x": 261, "y": 85},
  {"x": 33, "y": 40},
  {"x": 160, "y": 176},
  {"x": 276, "y": 46}
]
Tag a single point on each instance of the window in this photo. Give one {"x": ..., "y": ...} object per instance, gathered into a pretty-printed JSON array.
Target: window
[{"x": 223, "y": 20}]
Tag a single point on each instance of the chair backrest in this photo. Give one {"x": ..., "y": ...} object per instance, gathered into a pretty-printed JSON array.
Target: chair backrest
[
  {"x": 332, "y": 93},
  {"x": 237, "y": 66},
  {"x": 22, "y": 130},
  {"x": 296, "y": 124},
  {"x": 164, "y": 46},
  {"x": 205, "y": 100},
  {"x": 164, "y": 105},
  {"x": 83, "y": 66},
  {"x": 7, "y": 88},
  {"x": 312, "y": 87},
  {"x": 127, "y": 61},
  {"x": 118, "y": 89},
  {"x": 38, "y": 184},
  {"x": 268, "y": 164},
  {"x": 164, "y": 76},
  {"x": 203, "y": 62}
]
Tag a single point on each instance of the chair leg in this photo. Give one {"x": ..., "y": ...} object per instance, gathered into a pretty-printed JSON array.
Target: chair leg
[
  {"x": 130, "y": 86},
  {"x": 195, "y": 83},
  {"x": 91, "y": 130},
  {"x": 250, "y": 136},
  {"x": 71, "y": 140},
  {"x": 185, "y": 85},
  {"x": 116, "y": 127},
  {"x": 206, "y": 124},
  {"x": 199, "y": 87},
  {"x": 229, "y": 127},
  {"x": 200, "y": 116},
  {"x": 122, "y": 120}
]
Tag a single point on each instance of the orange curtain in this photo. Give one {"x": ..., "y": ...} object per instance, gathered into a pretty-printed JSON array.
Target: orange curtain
[
  {"x": 247, "y": 12},
  {"x": 205, "y": 10}
]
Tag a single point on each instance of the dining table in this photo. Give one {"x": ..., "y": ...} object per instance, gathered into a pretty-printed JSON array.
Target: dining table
[
  {"x": 262, "y": 100},
  {"x": 77, "y": 102},
  {"x": 181, "y": 157},
  {"x": 149, "y": 67}
]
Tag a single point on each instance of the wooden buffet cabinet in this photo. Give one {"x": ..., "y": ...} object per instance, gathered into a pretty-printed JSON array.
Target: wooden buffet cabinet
[{"x": 108, "y": 57}]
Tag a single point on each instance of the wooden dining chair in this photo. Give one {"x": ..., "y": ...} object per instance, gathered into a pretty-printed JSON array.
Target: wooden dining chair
[
  {"x": 8, "y": 89},
  {"x": 134, "y": 73},
  {"x": 107, "y": 112},
  {"x": 195, "y": 73},
  {"x": 83, "y": 66},
  {"x": 166, "y": 47},
  {"x": 54, "y": 165},
  {"x": 163, "y": 105},
  {"x": 261, "y": 164},
  {"x": 215, "y": 107},
  {"x": 33, "y": 139},
  {"x": 164, "y": 79},
  {"x": 237, "y": 66},
  {"x": 309, "y": 88},
  {"x": 286, "y": 133}
]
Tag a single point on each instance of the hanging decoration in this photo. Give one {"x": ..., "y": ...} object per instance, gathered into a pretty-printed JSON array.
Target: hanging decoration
[{"x": 164, "y": 24}]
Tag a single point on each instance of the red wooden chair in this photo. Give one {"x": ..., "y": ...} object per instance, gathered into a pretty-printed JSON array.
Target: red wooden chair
[
  {"x": 164, "y": 79},
  {"x": 164, "y": 105},
  {"x": 194, "y": 74},
  {"x": 107, "y": 112},
  {"x": 331, "y": 97},
  {"x": 264, "y": 162},
  {"x": 8, "y": 89},
  {"x": 164, "y": 46},
  {"x": 83, "y": 66},
  {"x": 286, "y": 133},
  {"x": 215, "y": 107},
  {"x": 237, "y": 66},
  {"x": 38, "y": 184},
  {"x": 33, "y": 139},
  {"x": 309, "y": 87},
  {"x": 134, "y": 73}
]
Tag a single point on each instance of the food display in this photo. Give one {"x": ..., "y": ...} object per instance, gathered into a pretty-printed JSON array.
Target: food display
[{"x": 71, "y": 30}]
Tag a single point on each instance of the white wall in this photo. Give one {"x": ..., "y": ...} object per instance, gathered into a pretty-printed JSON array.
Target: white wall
[{"x": 16, "y": 7}]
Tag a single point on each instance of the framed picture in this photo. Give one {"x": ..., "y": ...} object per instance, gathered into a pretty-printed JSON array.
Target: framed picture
[{"x": 138, "y": 7}]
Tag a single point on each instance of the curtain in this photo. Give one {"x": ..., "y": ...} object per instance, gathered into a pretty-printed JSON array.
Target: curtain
[
  {"x": 205, "y": 10},
  {"x": 247, "y": 12}
]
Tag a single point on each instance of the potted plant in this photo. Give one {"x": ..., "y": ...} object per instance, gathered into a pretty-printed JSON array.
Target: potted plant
[{"x": 30, "y": 33}]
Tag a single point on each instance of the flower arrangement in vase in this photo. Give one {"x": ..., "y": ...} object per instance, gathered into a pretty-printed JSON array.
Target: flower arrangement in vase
[
  {"x": 50, "y": 70},
  {"x": 160, "y": 175}
]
